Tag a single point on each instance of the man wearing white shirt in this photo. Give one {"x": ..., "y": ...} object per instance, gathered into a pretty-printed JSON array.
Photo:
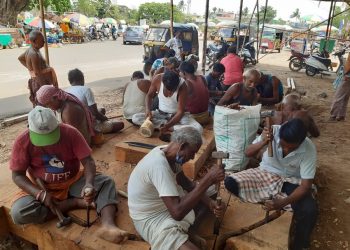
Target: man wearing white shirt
[
  {"x": 85, "y": 95},
  {"x": 175, "y": 43},
  {"x": 289, "y": 174}
]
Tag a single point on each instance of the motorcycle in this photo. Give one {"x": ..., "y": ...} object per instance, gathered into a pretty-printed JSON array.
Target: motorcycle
[
  {"x": 320, "y": 64},
  {"x": 297, "y": 61},
  {"x": 248, "y": 53},
  {"x": 215, "y": 52}
]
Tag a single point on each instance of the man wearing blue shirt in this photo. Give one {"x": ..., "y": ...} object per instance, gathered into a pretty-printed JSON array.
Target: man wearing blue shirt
[
  {"x": 288, "y": 174},
  {"x": 214, "y": 80}
]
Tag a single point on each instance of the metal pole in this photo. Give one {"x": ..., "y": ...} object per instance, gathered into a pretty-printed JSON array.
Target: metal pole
[
  {"x": 263, "y": 24},
  {"x": 239, "y": 25},
  {"x": 44, "y": 32},
  {"x": 172, "y": 19},
  {"x": 205, "y": 36},
  {"x": 257, "y": 30}
]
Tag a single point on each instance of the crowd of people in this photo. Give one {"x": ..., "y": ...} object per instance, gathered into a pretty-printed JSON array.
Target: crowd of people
[{"x": 165, "y": 206}]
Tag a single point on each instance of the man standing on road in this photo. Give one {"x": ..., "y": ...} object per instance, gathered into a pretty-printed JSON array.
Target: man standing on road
[
  {"x": 175, "y": 43},
  {"x": 53, "y": 152},
  {"x": 41, "y": 74}
]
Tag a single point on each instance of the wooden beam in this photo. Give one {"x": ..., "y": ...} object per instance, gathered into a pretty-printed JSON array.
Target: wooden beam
[
  {"x": 44, "y": 32},
  {"x": 171, "y": 18},
  {"x": 205, "y": 38}
]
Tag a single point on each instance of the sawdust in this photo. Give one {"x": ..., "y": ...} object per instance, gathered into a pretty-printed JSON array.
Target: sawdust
[{"x": 332, "y": 230}]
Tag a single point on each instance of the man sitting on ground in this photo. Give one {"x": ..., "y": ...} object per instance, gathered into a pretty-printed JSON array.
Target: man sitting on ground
[
  {"x": 160, "y": 62},
  {"x": 172, "y": 64},
  {"x": 241, "y": 93},
  {"x": 269, "y": 87},
  {"x": 290, "y": 173},
  {"x": 214, "y": 86},
  {"x": 172, "y": 95},
  {"x": 53, "y": 152},
  {"x": 162, "y": 213},
  {"x": 233, "y": 68},
  {"x": 71, "y": 110},
  {"x": 85, "y": 95},
  {"x": 291, "y": 108},
  {"x": 135, "y": 95},
  {"x": 198, "y": 94}
]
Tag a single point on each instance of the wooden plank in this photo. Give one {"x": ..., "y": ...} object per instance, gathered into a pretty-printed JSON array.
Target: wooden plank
[
  {"x": 192, "y": 167},
  {"x": 132, "y": 155},
  {"x": 4, "y": 228}
]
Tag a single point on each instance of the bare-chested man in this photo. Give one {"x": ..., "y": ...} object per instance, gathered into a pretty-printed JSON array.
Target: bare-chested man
[
  {"x": 291, "y": 109},
  {"x": 41, "y": 74}
]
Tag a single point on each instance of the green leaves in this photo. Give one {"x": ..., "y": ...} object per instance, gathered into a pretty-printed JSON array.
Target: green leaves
[
  {"x": 270, "y": 14},
  {"x": 157, "y": 12}
]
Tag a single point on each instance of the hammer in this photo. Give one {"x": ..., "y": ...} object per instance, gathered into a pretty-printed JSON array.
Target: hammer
[
  {"x": 88, "y": 191},
  {"x": 63, "y": 221},
  {"x": 269, "y": 145},
  {"x": 219, "y": 156}
]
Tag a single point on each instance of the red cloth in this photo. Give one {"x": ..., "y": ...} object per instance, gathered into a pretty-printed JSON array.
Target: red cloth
[
  {"x": 198, "y": 100},
  {"x": 233, "y": 69},
  {"x": 46, "y": 92},
  {"x": 56, "y": 163}
]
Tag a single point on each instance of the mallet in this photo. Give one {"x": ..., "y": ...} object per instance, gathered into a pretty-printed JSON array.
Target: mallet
[
  {"x": 219, "y": 156},
  {"x": 63, "y": 221},
  {"x": 269, "y": 146}
]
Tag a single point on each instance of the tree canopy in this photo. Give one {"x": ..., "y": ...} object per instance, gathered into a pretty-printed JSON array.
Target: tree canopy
[
  {"x": 60, "y": 6},
  {"x": 271, "y": 13},
  {"x": 157, "y": 12}
]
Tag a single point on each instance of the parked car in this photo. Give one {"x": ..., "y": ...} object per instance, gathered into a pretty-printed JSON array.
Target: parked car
[
  {"x": 121, "y": 29},
  {"x": 133, "y": 34}
]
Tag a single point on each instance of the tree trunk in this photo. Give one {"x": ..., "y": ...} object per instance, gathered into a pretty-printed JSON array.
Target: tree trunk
[{"x": 9, "y": 10}]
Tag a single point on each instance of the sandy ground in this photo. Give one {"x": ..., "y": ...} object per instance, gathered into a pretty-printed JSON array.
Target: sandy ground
[{"x": 332, "y": 230}]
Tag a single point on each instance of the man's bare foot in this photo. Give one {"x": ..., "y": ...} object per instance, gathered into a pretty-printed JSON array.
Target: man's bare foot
[{"x": 113, "y": 234}]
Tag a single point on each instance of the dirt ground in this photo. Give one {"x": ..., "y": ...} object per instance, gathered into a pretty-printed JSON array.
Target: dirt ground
[{"x": 332, "y": 230}]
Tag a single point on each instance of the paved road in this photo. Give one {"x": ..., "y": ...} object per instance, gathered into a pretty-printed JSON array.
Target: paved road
[{"x": 107, "y": 64}]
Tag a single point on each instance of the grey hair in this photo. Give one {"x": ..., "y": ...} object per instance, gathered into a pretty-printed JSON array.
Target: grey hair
[
  {"x": 34, "y": 34},
  {"x": 294, "y": 99},
  {"x": 248, "y": 74},
  {"x": 188, "y": 135}
]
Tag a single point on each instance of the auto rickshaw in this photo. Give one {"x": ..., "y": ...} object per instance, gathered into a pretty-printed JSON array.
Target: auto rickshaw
[
  {"x": 272, "y": 40},
  {"x": 157, "y": 36},
  {"x": 228, "y": 33}
]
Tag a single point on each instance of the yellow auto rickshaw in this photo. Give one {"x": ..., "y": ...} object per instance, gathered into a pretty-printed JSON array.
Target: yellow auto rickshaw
[{"x": 157, "y": 36}]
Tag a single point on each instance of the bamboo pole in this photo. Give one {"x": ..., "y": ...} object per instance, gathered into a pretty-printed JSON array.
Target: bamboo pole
[
  {"x": 329, "y": 19},
  {"x": 172, "y": 18},
  {"x": 330, "y": 28},
  {"x": 257, "y": 31},
  {"x": 250, "y": 22},
  {"x": 205, "y": 37},
  {"x": 263, "y": 25},
  {"x": 44, "y": 32},
  {"x": 239, "y": 25}
]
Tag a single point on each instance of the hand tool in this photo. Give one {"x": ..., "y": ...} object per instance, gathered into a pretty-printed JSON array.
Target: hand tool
[
  {"x": 267, "y": 211},
  {"x": 140, "y": 145},
  {"x": 63, "y": 221},
  {"x": 269, "y": 145},
  {"x": 219, "y": 156},
  {"x": 87, "y": 192}
]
